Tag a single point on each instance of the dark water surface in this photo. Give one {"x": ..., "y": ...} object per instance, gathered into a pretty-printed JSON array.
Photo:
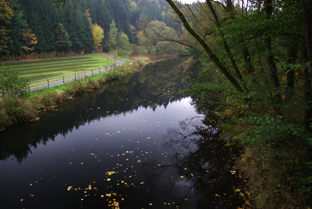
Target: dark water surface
[{"x": 135, "y": 144}]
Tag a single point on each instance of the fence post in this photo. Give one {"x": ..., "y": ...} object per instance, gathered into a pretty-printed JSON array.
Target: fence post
[
  {"x": 99, "y": 69},
  {"x": 75, "y": 77},
  {"x": 63, "y": 80},
  {"x": 28, "y": 87},
  {"x": 84, "y": 73},
  {"x": 48, "y": 83},
  {"x": 92, "y": 71}
]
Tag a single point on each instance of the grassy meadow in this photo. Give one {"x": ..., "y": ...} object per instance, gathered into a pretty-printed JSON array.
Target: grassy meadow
[{"x": 48, "y": 68}]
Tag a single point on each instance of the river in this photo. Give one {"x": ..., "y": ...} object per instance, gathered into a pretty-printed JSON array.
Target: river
[{"x": 135, "y": 143}]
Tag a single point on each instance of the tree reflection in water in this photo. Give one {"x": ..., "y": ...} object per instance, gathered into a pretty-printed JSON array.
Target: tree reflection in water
[{"x": 204, "y": 163}]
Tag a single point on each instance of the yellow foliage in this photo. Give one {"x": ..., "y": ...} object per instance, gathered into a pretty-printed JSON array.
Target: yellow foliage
[
  {"x": 5, "y": 11},
  {"x": 30, "y": 40},
  {"x": 98, "y": 34}
]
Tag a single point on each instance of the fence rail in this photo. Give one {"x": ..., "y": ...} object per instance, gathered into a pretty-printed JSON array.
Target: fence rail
[{"x": 59, "y": 80}]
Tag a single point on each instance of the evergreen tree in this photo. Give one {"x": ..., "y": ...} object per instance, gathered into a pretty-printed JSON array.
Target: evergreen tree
[
  {"x": 17, "y": 27},
  {"x": 112, "y": 36},
  {"x": 6, "y": 15},
  {"x": 63, "y": 42}
]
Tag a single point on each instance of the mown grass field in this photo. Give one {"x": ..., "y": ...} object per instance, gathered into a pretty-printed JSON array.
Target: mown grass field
[{"x": 48, "y": 68}]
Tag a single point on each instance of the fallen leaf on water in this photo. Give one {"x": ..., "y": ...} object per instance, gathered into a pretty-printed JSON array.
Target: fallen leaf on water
[
  {"x": 35, "y": 119},
  {"x": 110, "y": 172},
  {"x": 233, "y": 172},
  {"x": 69, "y": 188}
]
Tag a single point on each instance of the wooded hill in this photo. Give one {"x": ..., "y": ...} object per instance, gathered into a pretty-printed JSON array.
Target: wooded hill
[{"x": 40, "y": 26}]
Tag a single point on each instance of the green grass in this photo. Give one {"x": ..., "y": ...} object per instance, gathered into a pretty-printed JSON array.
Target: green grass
[{"x": 44, "y": 69}]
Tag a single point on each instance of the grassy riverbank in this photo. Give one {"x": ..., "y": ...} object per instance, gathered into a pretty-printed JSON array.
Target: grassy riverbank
[{"x": 25, "y": 107}]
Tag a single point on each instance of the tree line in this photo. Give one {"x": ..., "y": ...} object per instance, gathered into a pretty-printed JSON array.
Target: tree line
[{"x": 46, "y": 26}]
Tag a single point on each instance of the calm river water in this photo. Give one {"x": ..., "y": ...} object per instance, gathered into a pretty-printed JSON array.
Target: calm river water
[{"x": 135, "y": 144}]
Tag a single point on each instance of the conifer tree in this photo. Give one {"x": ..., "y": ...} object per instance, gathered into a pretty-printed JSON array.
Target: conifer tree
[
  {"x": 112, "y": 36},
  {"x": 6, "y": 15}
]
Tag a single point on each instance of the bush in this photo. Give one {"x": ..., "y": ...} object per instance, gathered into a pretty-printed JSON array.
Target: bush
[
  {"x": 11, "y": 82},
  {"x": 14, "y": 110}
]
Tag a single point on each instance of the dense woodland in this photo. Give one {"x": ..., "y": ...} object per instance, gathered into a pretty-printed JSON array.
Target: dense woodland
[
  {"x": 258, "y": 63},
  {"x": 42, "y": 27}
]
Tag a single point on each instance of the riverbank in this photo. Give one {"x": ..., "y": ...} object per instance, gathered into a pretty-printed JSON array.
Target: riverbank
[
  {"x": 275, "y": 149},
  {"x": 25, "y": 107}
]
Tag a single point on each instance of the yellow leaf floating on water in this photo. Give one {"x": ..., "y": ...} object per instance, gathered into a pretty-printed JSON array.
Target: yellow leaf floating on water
[
  {"x": 237, "y": 190},
  {"x": 109, "y": 179},
  {"x": 69, "y": 188},
  {"x": 110, "y": 172},
  {"x": 35, "y": 119}
]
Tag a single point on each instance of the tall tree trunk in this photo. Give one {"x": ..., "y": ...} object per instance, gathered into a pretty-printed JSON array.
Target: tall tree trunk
[
  {"x": 270, "y": 60},
  {"x": 226, "y": 47},
  {"x": 307, "y": 22},
  {"x": 292, "y": 55},
  {"x": 207, "y": 49},
  {"x": 247, "y": 59}
]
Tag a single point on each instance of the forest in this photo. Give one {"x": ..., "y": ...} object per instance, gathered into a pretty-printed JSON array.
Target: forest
[{"x": 43, "y": 27}]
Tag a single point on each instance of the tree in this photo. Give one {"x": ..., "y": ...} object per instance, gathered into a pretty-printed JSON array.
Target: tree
[
  {"x": 158, "y": 35},
  {"x": 208, "y": 50},
  {"x": 123, "y": 42},
  {"x": 30, "y": 40},
  {"x": 97, "y": 31},
  {"x": 17, "y": 27},
  {"x": 98, "y": 35},
  {"x": 6, "y": 15},
  {"x": 11, "y": 82},
  {"x": 112, "y": 36},
  {"x": 63, "y": 42}
]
